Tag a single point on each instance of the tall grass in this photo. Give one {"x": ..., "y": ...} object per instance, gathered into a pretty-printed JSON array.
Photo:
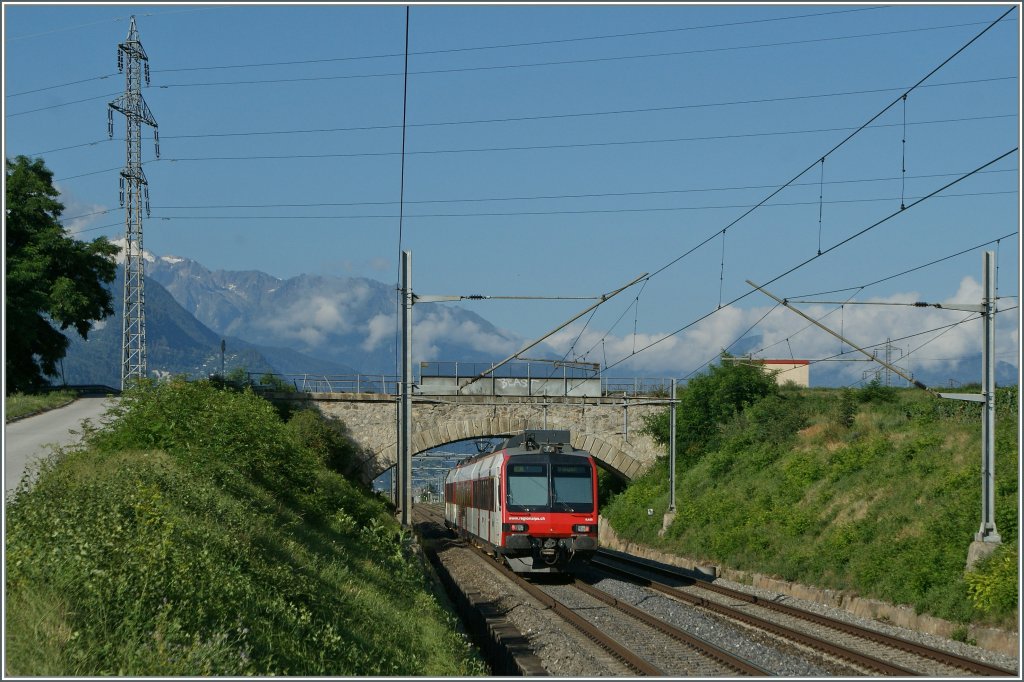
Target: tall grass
[
  {"x": 19, "y": 405},
  {"x": 198, "y": 534},
  {"x": 877, "y": 493}
]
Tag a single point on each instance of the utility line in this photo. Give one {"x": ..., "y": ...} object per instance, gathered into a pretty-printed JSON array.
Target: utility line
[
  {"x": 579, "y": 145},
  {"x": 531, "y": 198},
  {"x": 542, "y": 117},
  {"x": 269, "y": 81},
  {"x": 860, "y": 288},
  {"x": 812, "y": 258},
  {"x": 493, "y": 214},
  {"x": 919, "y": 267},
  {"x": 385, "y": 216},
  {"x": 443, "y": 51},
  {"x": 836, "y": 147},
  {"x": 567, "y": 62}
]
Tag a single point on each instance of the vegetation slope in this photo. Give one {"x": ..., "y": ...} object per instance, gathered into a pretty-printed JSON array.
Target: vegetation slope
[
  {"x": 875, "y": 490},
  {"x": 200, "y": 533}
]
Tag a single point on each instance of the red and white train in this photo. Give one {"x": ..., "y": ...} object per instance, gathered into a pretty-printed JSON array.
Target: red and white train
[{"x": 532, "y": 501}]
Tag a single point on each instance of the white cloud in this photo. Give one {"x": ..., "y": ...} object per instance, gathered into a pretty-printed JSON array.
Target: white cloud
[{"x": 379, "y": 327}]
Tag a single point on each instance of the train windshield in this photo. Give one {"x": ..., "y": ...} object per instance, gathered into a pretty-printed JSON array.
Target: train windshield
[
  {"x": 528, "y": 487},
  {"x": 571, "y": 488}
]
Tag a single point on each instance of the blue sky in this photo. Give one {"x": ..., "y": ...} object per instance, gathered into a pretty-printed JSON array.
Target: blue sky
[{"x": 563, "y": 151}]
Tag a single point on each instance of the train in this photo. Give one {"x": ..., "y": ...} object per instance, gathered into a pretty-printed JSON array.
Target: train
[{"x": 531, "y": 501}]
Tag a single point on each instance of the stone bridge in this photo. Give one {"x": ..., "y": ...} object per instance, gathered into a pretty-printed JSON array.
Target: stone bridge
[{"x": 606, "y": 427}]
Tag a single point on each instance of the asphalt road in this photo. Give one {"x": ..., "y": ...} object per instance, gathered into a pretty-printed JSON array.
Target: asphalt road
[{"x": 33, "y": 438}]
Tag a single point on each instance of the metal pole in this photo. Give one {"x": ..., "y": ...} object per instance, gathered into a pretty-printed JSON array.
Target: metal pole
[
  {"x": 672, "y": 450},
  {"x": 396, "y": 473},
  {"x": 406, "y": 454},
  {"x": 987, "y": 532},
  {"x": 625, "y": 417}
]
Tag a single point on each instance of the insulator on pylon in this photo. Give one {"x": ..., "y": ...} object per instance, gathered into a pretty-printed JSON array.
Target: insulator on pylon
[
  {"x": 120, "y": 60},
  {"x": 146, "y": 69},
  {"x": 146, "y": 193},
  {"x": 110, "y": 122},
  {"x": 121, "y": 193},
  {"x": 156, "y": 141}
]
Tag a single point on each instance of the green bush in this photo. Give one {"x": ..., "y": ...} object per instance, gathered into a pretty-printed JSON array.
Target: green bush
[
  {"x": 875, "y": 392},
  {"x": 992, "y": 585},
  {"x": 230, "y": 550},
  {"x": 708, "y": 403},
  {"x": 327, "y": 438}
]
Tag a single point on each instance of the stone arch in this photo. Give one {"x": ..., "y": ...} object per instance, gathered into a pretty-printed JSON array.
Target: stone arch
[{"x": 612, "y": 456}]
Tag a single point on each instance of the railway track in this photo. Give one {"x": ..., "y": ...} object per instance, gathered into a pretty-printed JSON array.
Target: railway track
[
  {"x": 644, "y": 644},
  {"x": 873, "y": 651}
]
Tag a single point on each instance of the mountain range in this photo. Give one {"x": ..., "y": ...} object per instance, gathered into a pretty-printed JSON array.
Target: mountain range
[
  {"x": 329, "y": 326},
  {"x": 305, "y": 324}
]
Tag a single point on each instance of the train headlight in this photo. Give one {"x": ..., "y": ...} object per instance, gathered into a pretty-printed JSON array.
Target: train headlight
[
  {"x": 516, "y": 527},
  {"x": 583, "y": 528}
]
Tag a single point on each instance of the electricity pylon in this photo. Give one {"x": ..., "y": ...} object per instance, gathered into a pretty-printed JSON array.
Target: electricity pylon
[{"x": 132, "y": 60}]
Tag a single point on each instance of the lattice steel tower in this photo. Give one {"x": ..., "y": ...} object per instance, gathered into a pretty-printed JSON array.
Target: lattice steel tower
[{"x": 132, "y": 60}]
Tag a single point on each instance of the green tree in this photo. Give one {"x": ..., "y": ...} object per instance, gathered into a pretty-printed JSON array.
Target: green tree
[
  {"x": 709, "y": 401},
  {"x": 53, "y": 281}
]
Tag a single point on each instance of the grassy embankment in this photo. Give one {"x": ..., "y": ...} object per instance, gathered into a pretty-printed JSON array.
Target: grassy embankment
[
  {"x": 876, "y": 491},
  {"x": 19, "y": 404},
  {"x": 201, "y": 534}
]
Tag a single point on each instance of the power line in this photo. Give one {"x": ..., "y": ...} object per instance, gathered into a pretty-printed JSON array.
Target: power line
[
  {"x": 566, "y": 62},
  {"x": 444, "y": 51},
  {"x": 541, "y": 117},
  {"x": 812, "y": 258},
  {"x": 534, "y": 198},
  {"x": 577, "y": 145},
  {"x": 839, "y": 145},
  {"x": 919, "y": 267},
  {"x": 268, "y": 81},
  {"x": 381, "y": 216}
]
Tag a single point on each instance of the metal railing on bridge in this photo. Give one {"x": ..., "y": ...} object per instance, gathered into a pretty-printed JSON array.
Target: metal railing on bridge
[{"x": 526, "y": 378}]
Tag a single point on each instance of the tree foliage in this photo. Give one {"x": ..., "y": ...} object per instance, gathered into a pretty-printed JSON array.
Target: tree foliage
[
  {"x": 711, "y": 400},
  {"x": 53, "y": 281}
]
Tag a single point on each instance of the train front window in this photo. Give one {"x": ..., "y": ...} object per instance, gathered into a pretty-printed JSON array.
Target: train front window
[
  {"x": 572, "y": 488},
  {"x": 528, "y": 487}
]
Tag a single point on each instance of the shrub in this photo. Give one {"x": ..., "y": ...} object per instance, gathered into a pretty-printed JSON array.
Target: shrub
[
  {"x": 992, "y": 585},
  {"x": 875, "y": 392}
]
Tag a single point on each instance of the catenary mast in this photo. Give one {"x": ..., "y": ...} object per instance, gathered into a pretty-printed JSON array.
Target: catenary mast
[{"x": 132, "y": 60}]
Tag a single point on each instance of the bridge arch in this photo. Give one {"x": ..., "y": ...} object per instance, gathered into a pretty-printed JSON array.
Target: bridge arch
[
  {"x": 599, "y": 425},
  {"x": 611, "y": 456}
]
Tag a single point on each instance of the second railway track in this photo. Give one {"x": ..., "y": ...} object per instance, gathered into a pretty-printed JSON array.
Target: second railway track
[{"x": 873, "y": 651}]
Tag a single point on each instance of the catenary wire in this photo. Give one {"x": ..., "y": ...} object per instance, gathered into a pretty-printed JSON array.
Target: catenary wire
[{"x": 812, "y": 258}]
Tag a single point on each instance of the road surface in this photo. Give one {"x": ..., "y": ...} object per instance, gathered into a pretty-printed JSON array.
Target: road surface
[{"x": 32, "y": 438}]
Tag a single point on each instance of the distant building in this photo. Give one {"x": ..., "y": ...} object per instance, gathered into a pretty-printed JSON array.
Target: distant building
[{"x": 797, "y": 371}]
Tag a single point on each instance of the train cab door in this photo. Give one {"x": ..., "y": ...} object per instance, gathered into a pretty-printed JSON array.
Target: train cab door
[{"x": 495, "y": 490}]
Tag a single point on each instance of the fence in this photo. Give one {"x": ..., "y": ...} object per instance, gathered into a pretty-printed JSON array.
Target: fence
[{"x": 452, "y": 378}]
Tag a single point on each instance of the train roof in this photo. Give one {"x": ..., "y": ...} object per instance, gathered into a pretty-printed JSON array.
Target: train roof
[{"x": 531, "y": 441}]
